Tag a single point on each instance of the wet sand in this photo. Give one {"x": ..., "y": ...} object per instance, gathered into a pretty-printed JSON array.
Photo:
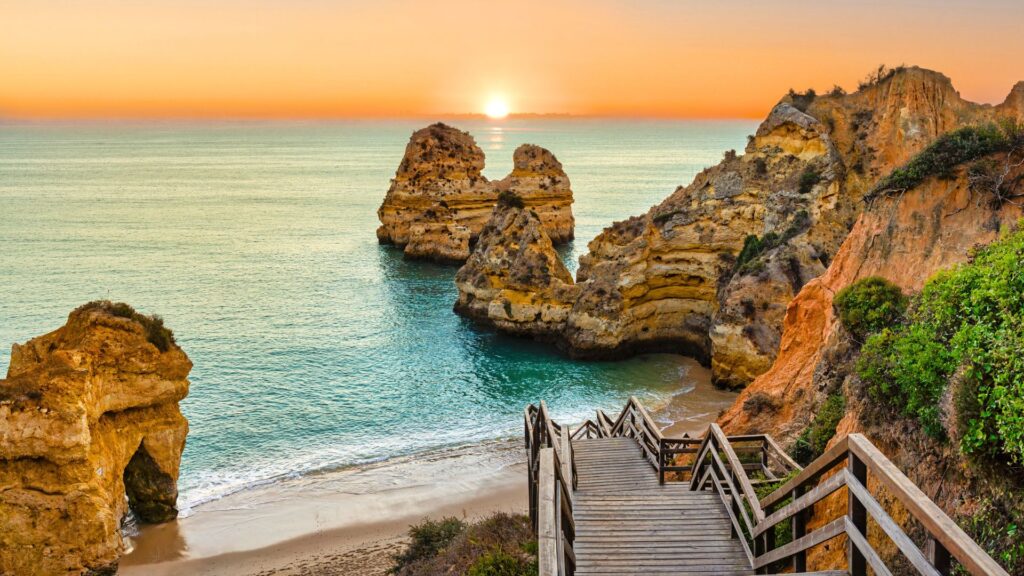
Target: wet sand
[{"x": 351, "y": 522}]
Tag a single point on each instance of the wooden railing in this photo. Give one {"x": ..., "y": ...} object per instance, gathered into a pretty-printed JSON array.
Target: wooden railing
[
  {"x": 848, "y": 464},
  {"x": 551, "y": 470},
  {"x": 664, "y": 452}
]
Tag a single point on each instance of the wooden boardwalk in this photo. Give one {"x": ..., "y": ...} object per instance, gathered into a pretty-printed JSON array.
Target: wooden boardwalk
[
  {"x": 627, "y": 523},
  {"x": 618, "y": 497}
]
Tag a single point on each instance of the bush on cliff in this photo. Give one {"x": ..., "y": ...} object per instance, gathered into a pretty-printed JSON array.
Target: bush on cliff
[
  {"x": 156, "y": 333},
  {"x": 815, "y": 438},
  {"x": 950, "y": 150},
  {"x": 967, "y": 323},
  {"x": 869, "y": 305},
  {"x": 809, "y": 178},
  {"x": 508, "y": 199},
  {"x": 499, "y": 545}
]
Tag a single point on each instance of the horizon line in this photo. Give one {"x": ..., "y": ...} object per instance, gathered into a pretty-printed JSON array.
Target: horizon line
[{"x": 295, "y": 118}]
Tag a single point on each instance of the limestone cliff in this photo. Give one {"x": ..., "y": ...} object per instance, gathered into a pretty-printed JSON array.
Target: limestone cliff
[
  {"x": 709, "y": 271},
  {"x": 88, "y": 415},
  {"x": 905, "y": 239},
  {"x": 514, "y": 279},
  {"x": 439, "y": 200}
]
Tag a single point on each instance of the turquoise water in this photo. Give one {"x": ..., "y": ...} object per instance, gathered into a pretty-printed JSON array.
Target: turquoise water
[{"x": 314, "y": 347}]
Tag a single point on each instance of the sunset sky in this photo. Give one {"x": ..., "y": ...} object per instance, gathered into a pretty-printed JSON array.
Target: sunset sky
[{"x": 340, "y": 58}]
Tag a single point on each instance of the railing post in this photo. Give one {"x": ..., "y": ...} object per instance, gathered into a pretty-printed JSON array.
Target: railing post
[
  {"x": 566, "y": 459},
  {"x": 548, "y": 534},
  {"x": 799, "y": 529},
  {"x": 938, "y": 556},
  {"x": 856, "y": 564},
  {"x": 661, "y": 461}
]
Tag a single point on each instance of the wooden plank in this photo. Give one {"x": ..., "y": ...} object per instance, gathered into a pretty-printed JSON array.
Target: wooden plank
[
  {"x": 826, "y": 532},
  {"x": 889, "y": 526},
  {"x": 734, "y": 463},
  {"x": 812, "y": 497},
  {"x": 735, "y": 521},
  {"x": 547, "y": 533},
  {"x": 940, "y": 526},
  {"x": 822, "y": 464},
  {"x": 857, "y": 540}
]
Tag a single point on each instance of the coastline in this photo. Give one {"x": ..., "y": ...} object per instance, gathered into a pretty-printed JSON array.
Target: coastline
[
  {"x": 352, "y": 521},
  {"x": 331, "y": 520}
]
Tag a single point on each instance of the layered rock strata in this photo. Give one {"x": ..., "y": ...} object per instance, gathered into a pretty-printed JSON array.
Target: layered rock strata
[
  {"x": 710, "y": 271},
  {"x": 439, "y": 200},
  {"x": 905, "y": 239},
  {"x": 514, "y": 280},
  {"x": 89, "y": 426}
]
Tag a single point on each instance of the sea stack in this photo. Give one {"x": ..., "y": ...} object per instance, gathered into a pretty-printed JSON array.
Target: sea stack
[
  {"x": 439, "y": 200},
  {"x": 514, "y": 279},
  {"x": 88, "y": 415}
]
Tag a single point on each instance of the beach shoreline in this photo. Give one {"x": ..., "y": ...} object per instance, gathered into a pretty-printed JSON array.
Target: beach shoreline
[{"x": 353, "y": 521}]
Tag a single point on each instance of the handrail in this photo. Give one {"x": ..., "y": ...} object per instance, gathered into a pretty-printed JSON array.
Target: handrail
[
  {"x": 552, "y": 476},
  {"x": 634, "y": 421},
  {"x": 847, "y": 465},
  {"x": 722, "y": 464},
  {"x": 556, "y": 528}
]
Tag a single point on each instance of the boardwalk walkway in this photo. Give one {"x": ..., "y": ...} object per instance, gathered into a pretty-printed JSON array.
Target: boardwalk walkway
[
  {"x": 616, "y": 496},
  {"x": 626, "y": 523}
]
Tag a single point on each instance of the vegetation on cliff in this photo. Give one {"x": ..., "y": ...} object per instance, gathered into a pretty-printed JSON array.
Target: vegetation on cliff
[
  {"x": 869, "y": 305},
  {"x": 815, "y": 438},
  {"x": 499, "y": 545},
  {"x": 942, "y": 157},
  {"x": 156, "y": 333},
  {"x": 962, "y": 341}
]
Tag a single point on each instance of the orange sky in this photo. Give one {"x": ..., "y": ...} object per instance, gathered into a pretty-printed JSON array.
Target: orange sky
[{"x": 312, "y": 58}]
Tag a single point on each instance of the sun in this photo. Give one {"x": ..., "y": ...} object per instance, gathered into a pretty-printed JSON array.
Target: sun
[{"x": 496, "y": 108}]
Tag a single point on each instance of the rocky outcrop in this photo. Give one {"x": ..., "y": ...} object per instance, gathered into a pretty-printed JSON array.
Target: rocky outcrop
[
  {"x": 88, "y": 416},
  {"x": 905, "y": 239},
  {"x": 514, "y": 280},
  {"x": 710, "y": 271},
  {"x": 439, "y": 200}
]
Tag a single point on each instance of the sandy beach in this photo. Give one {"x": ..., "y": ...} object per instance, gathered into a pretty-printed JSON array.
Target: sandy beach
[
  {"x": 352, "y": 521},
  {"x": 344, "y": 522}
]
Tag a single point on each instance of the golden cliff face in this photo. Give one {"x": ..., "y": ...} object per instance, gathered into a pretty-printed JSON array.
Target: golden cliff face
[
  {"x": 798, "y": 188},
  {"x": 88, "y": 415},
  {"x": 679, "y": 277},
  {"x": 514, "y": 279},
  {"x": 439, "y": 200},
  {"x": 906, "y": 240}
]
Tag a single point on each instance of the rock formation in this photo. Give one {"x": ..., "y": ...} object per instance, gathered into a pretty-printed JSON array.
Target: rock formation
[
  {"x": 905, "y": 239},
  {"x": 709, "y": 271},
  {"x": 515, "y": 280},
  {"x": 88, "y": 415},
  {"x": 439, "y": 200}
]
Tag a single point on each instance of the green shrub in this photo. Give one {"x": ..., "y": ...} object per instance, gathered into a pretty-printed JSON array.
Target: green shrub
[
  {"x": 499, "y": 545},
  {"x": 427, "y": 539},
  {"x": 969, "y": 319},
  {"x": 881, "y": 74},
  {"x": 509, "y": 199},
  {"x": 950, "y": 150},
  {"x": 815, "y": 438},
  {"x": 665, "y": 216},
  {"x": 869, "y": 305},
  {"x": 156, "y": 333},
  {"x": 808, "y": 180},
  {"x": 753, "y": 247},
  {"x": 802, "y": 101},
  {"x": 501, "y": 563}
]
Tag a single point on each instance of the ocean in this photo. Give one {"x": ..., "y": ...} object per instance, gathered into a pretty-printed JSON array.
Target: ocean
[{"x": 314, "y": 347}]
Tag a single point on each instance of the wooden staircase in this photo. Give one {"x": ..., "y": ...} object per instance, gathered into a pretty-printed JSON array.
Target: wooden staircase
[
  {"x": 628, "y": 523},
  {"x": 617, "y": 497}
]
